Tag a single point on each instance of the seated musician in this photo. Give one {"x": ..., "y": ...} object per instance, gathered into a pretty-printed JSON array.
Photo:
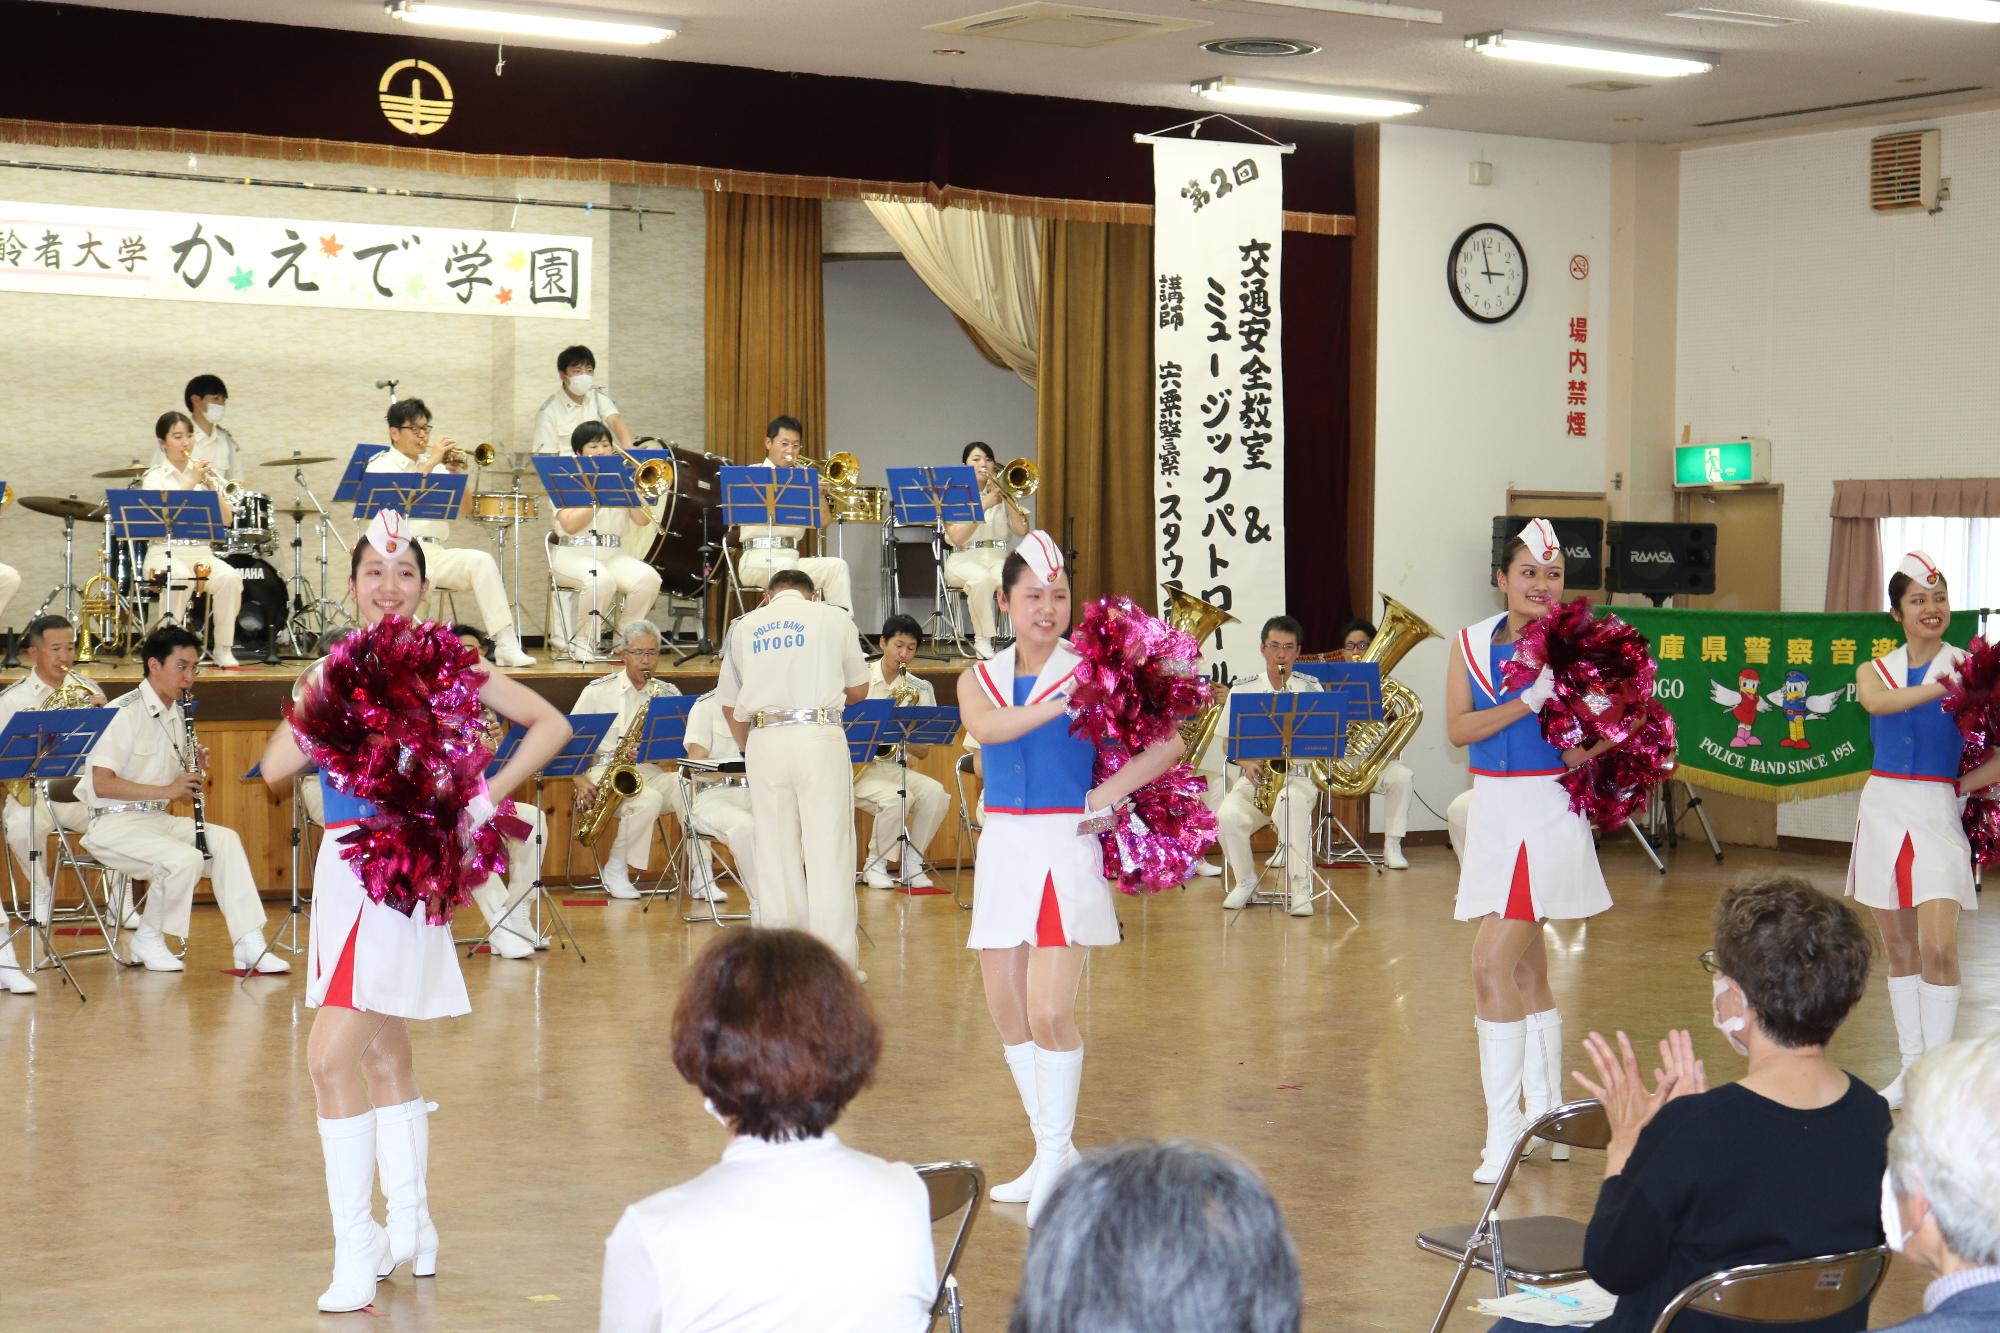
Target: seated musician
[
  {"x": 413, "y": 449},
  {"x": 980, "y": 549},
  {"x": 578, "y": 399},
  {"x": 767, "y": 549},
  {"x": 589, "y": 555},
  {"x": 878, "y": 787},
  {"x": 138, "y": 765},
  {"x": 178, "y": 470},
  {"x": 720, "y": 811},
  {"x": 1396, "y": 782},
  {"x": 1239, "y": 815},
  {"x": 627, "y": 692},
  {"x": 204, "y": 398}
]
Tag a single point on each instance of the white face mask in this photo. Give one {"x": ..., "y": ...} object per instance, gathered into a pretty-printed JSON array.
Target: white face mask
[
  {"x": 1893, "y": 1234},
  {"x": 1728, "y": 1027},
  {"x": 580, "y": 384},
  {"x": 213, "y": 411},
  {"x": 709, "y": 1106}
]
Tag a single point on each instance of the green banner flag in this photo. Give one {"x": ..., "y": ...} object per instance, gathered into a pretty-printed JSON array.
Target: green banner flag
[{"x": 1764, "y": 702}]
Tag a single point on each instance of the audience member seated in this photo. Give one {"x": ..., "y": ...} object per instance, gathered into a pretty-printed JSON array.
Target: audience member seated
[
  {"x": 1941, "y": 1198},
  {"x": 1159, "y": 1238},
  {"x": 791, "y": 1230},
  {"x": 1784, "y": 1164}
]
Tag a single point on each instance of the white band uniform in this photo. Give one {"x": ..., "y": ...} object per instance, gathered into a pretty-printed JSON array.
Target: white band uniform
[
  {"x": 450, "y": 568},
  {"x": 1923, "y": 811},
  {"x": 974, "y": 568},
  {"x": 878, "y": 788},
  {"x": 615, "y": 693},
  {"x": 1237, "y": 815},
  {"x": 769, "y": 549},
  {"x": 224, "y": 584},
  {"x": 594, "y": 563}
]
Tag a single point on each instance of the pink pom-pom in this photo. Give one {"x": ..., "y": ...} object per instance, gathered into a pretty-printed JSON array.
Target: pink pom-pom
[{"x": 1972, "y": 698}]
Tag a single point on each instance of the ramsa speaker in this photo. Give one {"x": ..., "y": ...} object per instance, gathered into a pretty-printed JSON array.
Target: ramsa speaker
[
  {"x": 1582, "y": 542},
  {"x": 1661, "y": 560}
]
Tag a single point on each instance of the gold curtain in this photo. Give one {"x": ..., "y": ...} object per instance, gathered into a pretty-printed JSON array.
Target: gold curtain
[
  {"x": 765, "y": 322},
  {"x": 1094, "y": 404}
]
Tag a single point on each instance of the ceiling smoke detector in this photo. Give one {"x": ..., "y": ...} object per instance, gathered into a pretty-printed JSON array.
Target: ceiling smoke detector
[{"x": 1260, "y": 48}]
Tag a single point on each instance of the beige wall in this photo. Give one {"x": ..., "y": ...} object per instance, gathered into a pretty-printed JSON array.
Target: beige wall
[{"x": 1645, "y": 276}]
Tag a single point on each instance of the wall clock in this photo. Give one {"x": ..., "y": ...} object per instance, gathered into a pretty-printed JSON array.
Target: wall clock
[{"x": 1487, "y": 272}]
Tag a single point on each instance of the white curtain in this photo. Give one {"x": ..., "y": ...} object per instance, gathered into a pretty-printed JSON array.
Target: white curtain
[
  {"x": 985, "y": 267},
  {"x": 1967, "y": 552}
]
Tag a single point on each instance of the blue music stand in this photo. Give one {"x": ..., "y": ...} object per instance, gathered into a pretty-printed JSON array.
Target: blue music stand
[
  {"x": 775, "y": 497},
  {"x": 868, "y": 728},
  {"x": 49, "y": 746},
  {"x": 600, "y": 481},
  {"x": 510, "y": 741},
  {"x": 664, "y": 739},
  {"x": 923, "y": 725},
  {"x": 1360, "y": 683},
  {"x": 357, "y": 467},
  {"x": 186, "y": 518},
  {"x": 437, "y": 496},
  {"x": 1300, "y": 727},
  {"x": 926, "y": 496}
]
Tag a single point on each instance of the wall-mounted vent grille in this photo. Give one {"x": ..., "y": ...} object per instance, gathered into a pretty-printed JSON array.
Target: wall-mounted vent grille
[
  {"x": 1063, "y": 25},
  {"x": 1903, "y": 171}
]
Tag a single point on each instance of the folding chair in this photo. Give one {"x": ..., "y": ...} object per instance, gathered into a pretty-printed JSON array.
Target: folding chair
[
  {"x": 970, "y": 826},
  {"x": 1540, "y": 1250},
  {"x": 952, "y": 1186},
  {"x": 1784, "y": 1293}
]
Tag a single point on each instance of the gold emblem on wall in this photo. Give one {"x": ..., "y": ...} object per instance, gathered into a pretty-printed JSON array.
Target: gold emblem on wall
[{"x": 415, "y": 96}]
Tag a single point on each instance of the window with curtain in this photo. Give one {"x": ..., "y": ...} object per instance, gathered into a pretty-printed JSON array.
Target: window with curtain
[{"x": 1967, "y": 551}]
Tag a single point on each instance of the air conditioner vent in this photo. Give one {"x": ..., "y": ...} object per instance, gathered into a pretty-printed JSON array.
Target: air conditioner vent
[
  {"x": 1075, "y": 26},
  {"x": 1903, "y": 171}
]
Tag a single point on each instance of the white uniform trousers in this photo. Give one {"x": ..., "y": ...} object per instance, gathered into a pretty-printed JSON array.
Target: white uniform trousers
[
  {"x": 976, "y": 573},
  {"x": 878, "y": 790},
  {"x": 1394, "y": 787},
  {"x": 224, "y": 583},
  {"x": 602, "y": 573},
  {"x": 802, "y": 796},
  {"x": 28, "y": 831},
  {"x": 523, "y": 859},
  {"x": 159, "y": 848},
  {"x": 10, "y": 583},
  {"x": 828, "y": 573},
  {"x": 725, "y": 813},
  {"x": 1457, "y": 816},
  {"x": 454, "y": 569},
  {"x": 1239, "y": 817}
]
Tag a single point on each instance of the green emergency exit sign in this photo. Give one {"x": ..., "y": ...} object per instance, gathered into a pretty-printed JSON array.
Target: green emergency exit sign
[{"x": 1729, "y": 463}]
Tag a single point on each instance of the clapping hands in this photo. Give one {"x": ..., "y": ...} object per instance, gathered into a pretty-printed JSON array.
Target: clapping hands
[{"x": 1619, "y": 1086}]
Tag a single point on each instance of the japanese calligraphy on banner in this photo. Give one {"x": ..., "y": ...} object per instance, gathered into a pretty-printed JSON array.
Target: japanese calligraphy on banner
[
  {"x": 1576, "y": 348},
  {"x": 1763, "y": 701},
  {"x": 1219, "y": 396},
  {"x": 72, "y": 251}
]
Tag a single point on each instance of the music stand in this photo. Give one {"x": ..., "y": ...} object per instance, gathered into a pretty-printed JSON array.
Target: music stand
[
  {"x": 294, "y": 911},
  {"x": 577, "y": 756},
  {"x": 598, "y": 482},
  {"x": 922, "y": 725},
  {"x": 45, "y": 746},
  {"x": 1301, "y": 726},
  {"x": 933, "y": 497},
  {"x": 357, "y": 467},
  {"x": 187, "y": 518},
  {"x": 434, "y": 496},
  {"x": 771, "y": 497}
]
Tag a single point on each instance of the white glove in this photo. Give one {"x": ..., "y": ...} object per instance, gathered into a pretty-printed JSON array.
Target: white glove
[
  {"x": 1539, "y": 693},
  {"x": 478, "y": 812}
]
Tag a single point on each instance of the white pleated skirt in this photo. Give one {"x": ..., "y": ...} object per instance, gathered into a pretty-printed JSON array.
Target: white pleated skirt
[
  {"x": 402, "y": 966},
  {"x": 1925, "y": 815},
  {"x": 1023, "y": 859},
  {"x": 1513, "y": 818}
]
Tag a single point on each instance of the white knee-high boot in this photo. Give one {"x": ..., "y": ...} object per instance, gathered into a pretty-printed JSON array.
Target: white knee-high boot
[
  {"x": 358, "y": 1243},
  {"x": 1541, "y": 1071},
  {"x": 1502, "y": 1050},
  {"x": 1905, "y": 1006},
  {"x": 1058, "y": 1076},
  {"x": 1938, "y": 1006},
  {"x": 1021, "y": 1064},
  {"x": 402, "y": 1151}
]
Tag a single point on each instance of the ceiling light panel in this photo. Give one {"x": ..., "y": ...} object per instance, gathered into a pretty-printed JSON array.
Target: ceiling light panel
[
  {"x": 556, "y": 22},
  {"x": 1306, "y": 98},
  {"x": 1542, "y": 48}
]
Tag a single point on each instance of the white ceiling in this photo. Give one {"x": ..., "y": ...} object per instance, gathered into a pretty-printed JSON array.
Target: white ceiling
[{"x": 1839, "y": 55}]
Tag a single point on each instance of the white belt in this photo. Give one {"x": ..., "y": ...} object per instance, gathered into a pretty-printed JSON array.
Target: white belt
[
  {"x": 591, "y": 539},
  {"x": 984, "y": 546},
  {"x": 797, "y": 717},
  {"x": 770, "y": 543},
  {"x": 151, "y": 807}
]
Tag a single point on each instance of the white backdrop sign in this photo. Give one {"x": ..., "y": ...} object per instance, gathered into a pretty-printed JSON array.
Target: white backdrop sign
[
  {"x": 1219, "y": 394},
  {"x": 225, "y": 257}
]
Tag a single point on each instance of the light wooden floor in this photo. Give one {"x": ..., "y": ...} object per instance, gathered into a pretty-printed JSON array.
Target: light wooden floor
[{"x": 159, "y": 1168}]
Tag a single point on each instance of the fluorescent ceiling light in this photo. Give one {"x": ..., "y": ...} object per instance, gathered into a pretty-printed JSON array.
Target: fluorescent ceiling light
[
  {"x": 570, "y": 25},
  {"x": 1368, "y": 9},
  {"x": 1540, "y": 48},
  {"x": 1972, "y": 11},
  {"x": 1268, "y": 95}
]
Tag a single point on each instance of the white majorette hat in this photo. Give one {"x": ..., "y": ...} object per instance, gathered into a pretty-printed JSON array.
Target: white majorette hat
[
  {"x": 1044, "y": 557},
  {"x": 388, "y": 533},
  {"x": 1922, "y": 570},
  {"x": 1540, "y": 539}
]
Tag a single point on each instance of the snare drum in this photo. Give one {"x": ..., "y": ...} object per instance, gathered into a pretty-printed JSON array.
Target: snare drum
[
  {"x": 859, "y": 504},
  {"x": 504, "y": 507},
  {"x": 249, "y": 521}
]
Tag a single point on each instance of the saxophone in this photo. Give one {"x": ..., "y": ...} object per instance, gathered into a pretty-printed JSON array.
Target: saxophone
[
  {"x": 622, "y": 779},
  {"x": 75, "y": 692},
  {"x": 1272, "y": 784}
]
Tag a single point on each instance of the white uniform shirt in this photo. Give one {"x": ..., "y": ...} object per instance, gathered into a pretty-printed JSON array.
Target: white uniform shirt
[
  {"x": 843, "y": 1245},
  {"x": 1300, "y": 683},
  {"x": 560, "y": 415},
  {"x": 26, "y": 696},
  {"x": 992, "y": 528},
  {"x": 218, "y": 448},
  {"x": 749, "y": 530},
  {"x": 423, "y": 529},
  {"x": 709, "y": 729},
  {"x": 615, "y": 693},
  {"x": 164, "y": 476},
  {"x": 790, "y": 653},
  {"x": 879, "y": 688},
  {"x": 609, "y": 522},
  {"x": 143, "y": 744}
]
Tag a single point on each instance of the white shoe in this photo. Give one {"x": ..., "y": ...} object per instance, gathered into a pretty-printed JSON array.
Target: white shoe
[
  {"x": 1502, "y": 1050},
  {"x": 1392, "y": 854},
  {"x": 1239, "y": 897},
  {"x": 1906, "y": 1007},
  {"x": 982, "y": 646},
  {"x": 918, "y": 881},
  {"x": 1058, "y": 1076},
  {"x": 581, "y": 649},
  {"x": 618, "y": 881},
  {"x": 1206, "y": 868},
  {"x": 876, "y": 878},
  {"x": 706, "y": 890},
  {"x": 1277, "y": 861},
  {"x": 359, "y": 1245},
  {"x": 1302, "y": 902},
  {"x": 507, "y": 650},
  {"x": 224, "y": 659},
  {"x": 250, "y": 949},
  {"x": 1542, "y": 1074},
  {"x": 15, "y": 980},
  {"x": 402, "y": 1154},
  {"x": 149, "y": 950},
  {"x": 1021, "y": 1064},
  {"x": 508, "y": 942}
]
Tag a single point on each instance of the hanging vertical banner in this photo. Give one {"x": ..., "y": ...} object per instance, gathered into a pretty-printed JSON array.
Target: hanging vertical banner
[{"x": 1219, "y": 394}]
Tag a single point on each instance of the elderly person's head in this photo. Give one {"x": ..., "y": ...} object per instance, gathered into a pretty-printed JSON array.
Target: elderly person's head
[
  {"x": 1790, "y": 963},
  {"x": 1943, "y": 1192},
  {"x": 1159, "y": 1238},
  {"x": 774, "y": 1030}
]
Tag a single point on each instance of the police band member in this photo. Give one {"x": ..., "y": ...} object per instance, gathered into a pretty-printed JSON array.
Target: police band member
[
  {"x": 720, "y": 810},
  {"x": 627, "y": 692},
  {"x": 1396, "y": 782},
  {"x": 178, "y": 470},
  {"x": 1239, "y": 816},
  {"x": 578, "y": 399},
  {"x": 767, "y": 548},
  {"x": 138, "y": 765},
  {"x": 413, "y": 449},
  {"x": 879, "y": 788},
  {"x": 204, "y": 397},
  {"x": 978, "y": 550},
  {"x": 589, "y": 555},
  {"x": 789, "y": 669}
]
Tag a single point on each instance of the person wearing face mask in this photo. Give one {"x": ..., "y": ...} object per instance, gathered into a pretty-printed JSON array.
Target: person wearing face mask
[
  {"x": 1526, "y": 857},
  {"x": 205, "y": 397},
  {"x": 1911, "y": 864},
  {"x": 1941, "y": 1194},
  {"x": 1786, "y": 1163},
  {"x": 578, "y": 398}
]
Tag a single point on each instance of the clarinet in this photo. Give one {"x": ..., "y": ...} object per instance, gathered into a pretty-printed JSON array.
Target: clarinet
[{"x": 191, "y": 757}]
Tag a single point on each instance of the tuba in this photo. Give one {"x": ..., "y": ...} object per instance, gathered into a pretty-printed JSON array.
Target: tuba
[
  {"x": 622, "y": 779},
  {"x": 75, "y": 692},
  {"x": 1200, "y": 619},
  {"x": 1371, "y": 746}
]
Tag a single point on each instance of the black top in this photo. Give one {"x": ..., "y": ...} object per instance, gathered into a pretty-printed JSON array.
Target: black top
[{"x": 1727, "y": 1177}]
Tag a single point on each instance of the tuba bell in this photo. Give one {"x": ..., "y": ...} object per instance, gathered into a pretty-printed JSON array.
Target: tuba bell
[
  {"x": 1371, "y": 746},
  {"x": 1200, "y": 619}
]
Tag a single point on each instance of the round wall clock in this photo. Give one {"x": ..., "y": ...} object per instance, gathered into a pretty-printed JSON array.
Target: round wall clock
[{"x": 1487, "y": 272}]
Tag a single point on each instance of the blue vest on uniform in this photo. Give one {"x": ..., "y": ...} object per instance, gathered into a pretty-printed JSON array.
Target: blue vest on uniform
[
  {"x": 1048, "y": 760},
  {"x": 340, "y": 808},
  {"x": 1920, "y": 743},
  {"x": 1518, "y": 749}
]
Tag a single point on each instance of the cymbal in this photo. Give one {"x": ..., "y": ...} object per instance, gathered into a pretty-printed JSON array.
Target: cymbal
[
  {"x": 299, "y": 460},
  {"x": 295, "y": 511},
  {"x": 118, "y": 473},
  {"x": 83, "y": 511}
]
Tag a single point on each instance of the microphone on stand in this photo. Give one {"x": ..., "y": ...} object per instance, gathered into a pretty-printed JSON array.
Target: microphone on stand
[{"x": 390, "y": 385}]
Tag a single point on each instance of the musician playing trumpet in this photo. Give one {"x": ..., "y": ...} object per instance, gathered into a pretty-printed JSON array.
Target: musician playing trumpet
[
  {"x": 1242, "y": 813},
  {"x": 589, "y": 557},
  {"x": 980, "y": 549},
  {"x": 187, "y": 563},
  {"x": 627, "y": 692}
]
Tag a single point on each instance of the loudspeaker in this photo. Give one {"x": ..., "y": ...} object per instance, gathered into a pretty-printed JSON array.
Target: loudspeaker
[
  {"x": 1661, "y": 560},
  {"x": 1582, "y": 542}
]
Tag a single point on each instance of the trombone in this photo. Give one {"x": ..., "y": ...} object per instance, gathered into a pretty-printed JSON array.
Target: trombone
[
  {"x": 1016, "y": 482},
  {"x": 840, "y": 472},
  {"x": 652, "y": 478}
]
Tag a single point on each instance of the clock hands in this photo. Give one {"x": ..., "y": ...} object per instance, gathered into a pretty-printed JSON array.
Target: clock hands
[{"x": 1486, "y": 257}]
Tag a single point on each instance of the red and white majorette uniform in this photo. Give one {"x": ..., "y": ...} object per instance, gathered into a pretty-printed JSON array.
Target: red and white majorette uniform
[{"x": 1909, "y": 844}]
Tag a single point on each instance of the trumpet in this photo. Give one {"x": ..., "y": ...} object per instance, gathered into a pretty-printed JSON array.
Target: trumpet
[{"x": 457, "y": 458}]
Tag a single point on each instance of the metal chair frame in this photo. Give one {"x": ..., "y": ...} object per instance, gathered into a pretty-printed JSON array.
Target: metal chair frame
[
  {"x": 969, "y": 828},
  {"x": 952, "y": 1186},
  {"x": 696, "y": 852},
  {"x": 1783, "y": 1293}
]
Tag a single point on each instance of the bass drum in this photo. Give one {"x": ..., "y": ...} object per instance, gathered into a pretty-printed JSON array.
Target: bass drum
[
  {"x": 262, "y": 615},
  {"x": 672, "y": 543}
]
